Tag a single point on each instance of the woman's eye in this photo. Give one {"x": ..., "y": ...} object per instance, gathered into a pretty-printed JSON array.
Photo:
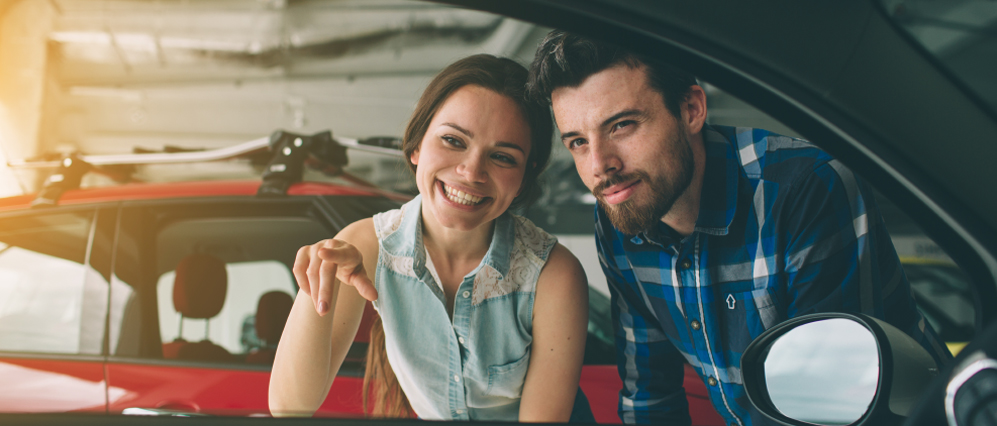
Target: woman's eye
[
  {"x": 452, "y": 141},
  {"x": 505, "y": 159}
]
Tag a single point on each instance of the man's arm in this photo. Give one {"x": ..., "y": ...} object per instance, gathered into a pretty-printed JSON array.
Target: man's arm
[
  {"x": 840, "y": 257},
  {"x": 651, "y": 368}
]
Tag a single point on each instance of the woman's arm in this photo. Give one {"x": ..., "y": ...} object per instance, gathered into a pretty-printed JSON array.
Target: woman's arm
[
  {"x": 324, "y": 312},
  {"x": 560, "y": 325}
]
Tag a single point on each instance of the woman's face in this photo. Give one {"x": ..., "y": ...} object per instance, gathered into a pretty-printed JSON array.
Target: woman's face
[{"x": 472, "y": 159}]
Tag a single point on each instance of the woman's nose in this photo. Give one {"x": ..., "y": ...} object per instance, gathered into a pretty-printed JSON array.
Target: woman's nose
[{"x": 473, "y": 168}]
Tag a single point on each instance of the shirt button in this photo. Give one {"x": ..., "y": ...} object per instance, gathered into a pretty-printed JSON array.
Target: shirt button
[
  {"x": 466, "y": 294},
  {"x": 456, "y": 378},
  {"x": 461, "y": 340},
  {"x": 711, "y": 381},
  {"x": 695, "y": 325},
  {"x": 460, "y": 411},
  {"x": 686, "y": 263}
]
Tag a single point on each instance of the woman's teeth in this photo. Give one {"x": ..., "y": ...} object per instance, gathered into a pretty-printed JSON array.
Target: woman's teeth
[{"x": 461, "y": 197}]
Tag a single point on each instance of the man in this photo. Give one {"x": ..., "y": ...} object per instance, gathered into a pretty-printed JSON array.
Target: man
[{"x": 709, "y": 235}]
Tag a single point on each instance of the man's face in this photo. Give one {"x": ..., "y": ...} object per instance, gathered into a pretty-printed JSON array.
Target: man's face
[{"x": 630, "y": 151}]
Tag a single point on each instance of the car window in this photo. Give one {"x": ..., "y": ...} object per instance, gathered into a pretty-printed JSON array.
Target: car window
[
  {"x": 942, "y": 291},
  {"x": 959, "y": 33},
  {"x": 246, "y": 258},
  {"x": 50, "y": 301},
  {"x": 234, "y": 326}
]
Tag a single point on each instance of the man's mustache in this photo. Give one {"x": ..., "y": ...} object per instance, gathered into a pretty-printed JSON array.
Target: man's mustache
[{"x": 617, "y": 179}]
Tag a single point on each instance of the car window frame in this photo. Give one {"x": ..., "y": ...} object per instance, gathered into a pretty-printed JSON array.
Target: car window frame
[{"x": 822, "y": 109}]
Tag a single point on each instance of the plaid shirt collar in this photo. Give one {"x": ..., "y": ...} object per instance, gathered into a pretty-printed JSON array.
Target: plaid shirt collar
[{"x": 723, "y": 181}]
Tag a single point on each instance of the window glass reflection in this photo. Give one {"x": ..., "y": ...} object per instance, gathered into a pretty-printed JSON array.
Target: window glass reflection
[{"x": 43, "y": 285}]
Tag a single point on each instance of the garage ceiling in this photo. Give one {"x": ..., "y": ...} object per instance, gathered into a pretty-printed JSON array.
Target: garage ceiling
[{"x": 116, "y": 75}]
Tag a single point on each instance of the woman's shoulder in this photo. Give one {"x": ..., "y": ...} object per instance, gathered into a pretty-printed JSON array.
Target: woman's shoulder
[
  {"x": 361, "y": 234},
  {"x": 532, "y": 237},
  {"x": 387, "y": 223}
]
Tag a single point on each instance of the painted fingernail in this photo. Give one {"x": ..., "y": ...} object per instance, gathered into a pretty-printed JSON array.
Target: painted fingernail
[{"x": 323, "y": 307}]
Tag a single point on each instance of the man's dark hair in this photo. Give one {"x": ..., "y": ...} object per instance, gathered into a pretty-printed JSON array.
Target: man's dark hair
[{"x": 566, "y": 60}]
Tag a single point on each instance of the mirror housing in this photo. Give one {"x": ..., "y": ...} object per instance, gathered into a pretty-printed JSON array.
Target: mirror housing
[{"x": 905, "y": 370}]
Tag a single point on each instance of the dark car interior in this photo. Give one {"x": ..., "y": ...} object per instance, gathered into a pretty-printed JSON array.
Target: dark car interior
[{"x": 182, "y": 274}]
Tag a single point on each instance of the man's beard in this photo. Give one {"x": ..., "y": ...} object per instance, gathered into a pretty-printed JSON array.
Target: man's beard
[{"x": 640, "y": 213}]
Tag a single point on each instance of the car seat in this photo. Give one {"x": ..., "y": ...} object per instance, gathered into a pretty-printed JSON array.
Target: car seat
[
  {"x": 198, "y": 292},
  {"x": 271, "y": 315}
]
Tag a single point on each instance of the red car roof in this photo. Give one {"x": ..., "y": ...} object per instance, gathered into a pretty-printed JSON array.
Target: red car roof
[{"x": 152, "y": 191}]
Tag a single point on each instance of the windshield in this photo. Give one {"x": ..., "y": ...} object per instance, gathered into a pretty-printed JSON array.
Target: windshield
[{"x": 962, "y": 34}]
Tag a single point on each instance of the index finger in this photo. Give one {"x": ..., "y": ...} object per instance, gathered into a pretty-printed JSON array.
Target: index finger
[
  {"x": 351, "y": 270},
  {"x": 300, "y": 269}
]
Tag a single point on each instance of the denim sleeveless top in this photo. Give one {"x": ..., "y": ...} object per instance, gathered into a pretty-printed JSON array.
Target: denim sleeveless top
[{"x": 474, "y": 367}]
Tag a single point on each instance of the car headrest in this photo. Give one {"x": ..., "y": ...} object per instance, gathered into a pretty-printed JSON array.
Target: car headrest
[
  {"x": 271, "y": 315},
  {"x": 200, "y": 286}
]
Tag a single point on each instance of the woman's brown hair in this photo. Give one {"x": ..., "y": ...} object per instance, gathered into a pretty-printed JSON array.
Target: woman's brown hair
[
  {"x": 507, "y": 78},
  {"x": 379, "y": 379}
]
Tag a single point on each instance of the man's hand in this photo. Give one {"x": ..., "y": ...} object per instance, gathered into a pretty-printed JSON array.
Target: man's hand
[{"x": 320, "y": 267}]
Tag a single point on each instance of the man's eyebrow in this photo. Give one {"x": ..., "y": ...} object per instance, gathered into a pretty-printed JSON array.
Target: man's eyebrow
[
  {"x": 568, "y": 135},
  {"x": 608, "y": 121},
  {"x": 460, "y": 129},
  {"x": 621, "y": 114}
]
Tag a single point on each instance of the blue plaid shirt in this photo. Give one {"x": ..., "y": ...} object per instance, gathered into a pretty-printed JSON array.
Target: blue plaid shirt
[{"x": 783, "y": 230}]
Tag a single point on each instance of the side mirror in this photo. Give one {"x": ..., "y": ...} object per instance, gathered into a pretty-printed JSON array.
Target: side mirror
[{"x": 835, "y": 369}]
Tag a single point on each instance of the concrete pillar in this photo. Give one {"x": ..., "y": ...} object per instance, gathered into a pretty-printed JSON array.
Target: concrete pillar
[{"x": 24, "y": 29}]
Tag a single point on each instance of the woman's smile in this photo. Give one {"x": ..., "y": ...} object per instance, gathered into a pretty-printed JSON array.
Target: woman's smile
[{"x": 461, "y": 197}]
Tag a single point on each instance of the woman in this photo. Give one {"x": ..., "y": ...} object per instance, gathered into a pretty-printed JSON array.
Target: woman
[{"x": 484, "y": 314}]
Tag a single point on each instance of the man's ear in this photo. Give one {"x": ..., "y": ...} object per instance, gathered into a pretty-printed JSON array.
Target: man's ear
[{"x": 694, "y": 109}]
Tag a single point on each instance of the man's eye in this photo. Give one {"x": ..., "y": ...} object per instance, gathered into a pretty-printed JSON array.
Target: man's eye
[
  {"x": 575, "y": 143},
  {"x": 622, "y": 124}
]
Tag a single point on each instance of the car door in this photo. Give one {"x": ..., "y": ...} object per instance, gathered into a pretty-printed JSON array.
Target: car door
[
  {"x": 254, "y": 241},
  {"x": 53, "y": 303}
]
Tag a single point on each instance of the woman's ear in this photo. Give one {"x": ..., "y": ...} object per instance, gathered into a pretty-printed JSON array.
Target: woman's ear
[{"x": 414, "y": 158}]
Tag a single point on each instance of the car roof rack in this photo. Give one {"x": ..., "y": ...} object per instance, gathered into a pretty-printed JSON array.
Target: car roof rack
[{"x": 289, "y": 153}]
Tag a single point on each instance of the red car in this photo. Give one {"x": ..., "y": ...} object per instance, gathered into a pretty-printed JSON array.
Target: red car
[{"x": 170, "y": 298}]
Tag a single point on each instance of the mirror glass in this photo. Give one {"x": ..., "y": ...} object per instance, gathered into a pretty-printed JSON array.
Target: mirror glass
[{"x": 824, "y": 372}]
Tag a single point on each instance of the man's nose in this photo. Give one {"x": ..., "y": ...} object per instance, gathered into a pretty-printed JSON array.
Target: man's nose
[{"x": 604, "y": 158}]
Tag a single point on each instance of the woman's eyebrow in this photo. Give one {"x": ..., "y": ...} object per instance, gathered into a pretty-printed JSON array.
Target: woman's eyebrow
[
  {"x": 510, "y": 145},
  {"x": 459, "y": 129},
  {"x": 470, "y": 134}
]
